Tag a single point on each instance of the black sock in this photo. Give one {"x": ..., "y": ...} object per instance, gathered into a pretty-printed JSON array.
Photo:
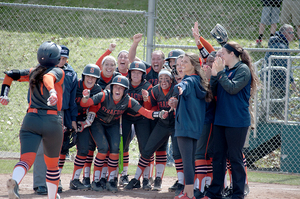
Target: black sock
[
  {"x": 271, "y": 35},
  {"x": 260, "y": 36}
]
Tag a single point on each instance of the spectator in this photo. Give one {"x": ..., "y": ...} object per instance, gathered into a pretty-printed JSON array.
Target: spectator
[
  {"x": 280, "y": 40},
  {"x": 269, "y": 16},
  {"x": 290, "y": 11}
]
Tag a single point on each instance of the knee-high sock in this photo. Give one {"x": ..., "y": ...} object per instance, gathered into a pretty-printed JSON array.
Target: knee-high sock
[
  {"x": 21, "y": 168},
  {"x": 88, "y": 164},
  {"x": 104, "y": 172},
  {"x": 245, "y": 164},
  {"x": 52, "y": 176},
  {"x": 161, "y": 161},
  {"x": 179, "y": 170},
  {"x": 200, "y": 174},
  {"x": 125, "y": 163},
  {"x": 143, "y": 163},
  {"x": 112, "y": 165},
  {"x": 98, "y": 165},
  {"x": 151, "y": 165},
  {"x": 209, "y": 172},
  {"x": 78, "y": 165},
  {"x": 61, "y": 162}
]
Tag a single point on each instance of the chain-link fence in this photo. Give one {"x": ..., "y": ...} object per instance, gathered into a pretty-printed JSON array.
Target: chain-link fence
[{"x": 272, "y": 145}]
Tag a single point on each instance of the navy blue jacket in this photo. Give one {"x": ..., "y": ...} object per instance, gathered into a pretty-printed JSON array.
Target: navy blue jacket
[
  {"x": 232, "y": 88},
  {"x": 191, "y": 108},
  {"x": 69, "y": 105}
]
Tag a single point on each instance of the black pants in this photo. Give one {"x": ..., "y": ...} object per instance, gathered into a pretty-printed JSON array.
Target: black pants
[{"x": 228, "y": 143}]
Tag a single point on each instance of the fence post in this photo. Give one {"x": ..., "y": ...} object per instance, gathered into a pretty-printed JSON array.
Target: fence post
[{"x": 150, "y": 29}]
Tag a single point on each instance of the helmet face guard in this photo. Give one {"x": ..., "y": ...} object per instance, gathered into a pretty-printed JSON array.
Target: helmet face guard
[{"x": 49, "y": 54}]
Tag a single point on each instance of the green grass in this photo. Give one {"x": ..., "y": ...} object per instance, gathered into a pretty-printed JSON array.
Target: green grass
[{"x": 253, "y": 176}]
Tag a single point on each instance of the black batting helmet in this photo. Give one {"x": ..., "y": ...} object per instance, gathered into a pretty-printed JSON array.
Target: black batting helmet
[
  {"x": 91, "y": 70},
  {"x": 120, "y": 80},
  {"x": 174, "y": 54},
  {"x": 48, "y": 54},
  {"x": 137, "y": 65}
]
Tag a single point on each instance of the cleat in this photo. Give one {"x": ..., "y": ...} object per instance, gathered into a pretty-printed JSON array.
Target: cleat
[
  {"x": 179, "y": 189},
  {"x": 103, "y": 182},
  {"x": 123, "y": 180},
  {"x": 157, "y": 184},
  {"x": 77, "y": 185},
  {"x": 133, "y": 183},
  {"x": 112, "y": 186},
  {"x": 41, "y": 190},
  {"x": 57, "y": 196},
  {"x": 96, "y": 186},
  {"x": 13, "y": 189},
  {"x": 246, "y": 190},
  {"x": 146, "y": 184},
  {"x": 86, "y": 181},
  {"x": 227, "y": 192},
  {"x": 198, "y": 193},
  {"x": 59, "y": 188},
  {"x": 174, "y": 187}
]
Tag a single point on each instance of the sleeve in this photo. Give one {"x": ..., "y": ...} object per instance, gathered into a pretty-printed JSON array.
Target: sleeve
[
  {"x": 55, "y": 75},
  {"x": 186, "y": 86},
  {"x": 72, "y": 102},
  {"x": 134, "y": 105},
  {"x": 153, "y": 99},
  {"x": 237, "y": 83},
  {"x": 95, "y": 108},
  {"x": 214, "y": 84},
  {"x": 99, "y": 61},
  {"x": 207, "y": 45},
  {"x": 98, "y": 98}
]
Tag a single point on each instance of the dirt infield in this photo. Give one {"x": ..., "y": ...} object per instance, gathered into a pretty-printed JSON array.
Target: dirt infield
[{"x": 257, "y": 190}]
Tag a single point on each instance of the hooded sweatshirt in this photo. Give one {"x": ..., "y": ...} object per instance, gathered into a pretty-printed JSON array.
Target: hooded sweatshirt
[{"x": 190, "y": 111}]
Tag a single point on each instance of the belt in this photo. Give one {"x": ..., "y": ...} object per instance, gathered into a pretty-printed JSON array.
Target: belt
[{"x": 41, "y": 111}]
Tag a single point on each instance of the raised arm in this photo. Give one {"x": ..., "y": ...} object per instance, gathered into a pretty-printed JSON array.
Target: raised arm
[{"x": 132, "y": 51}]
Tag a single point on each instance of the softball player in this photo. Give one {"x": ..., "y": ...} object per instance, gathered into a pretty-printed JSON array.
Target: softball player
[
  {"x": 232, "y": 85},
  {"x": 138, "y": 83},
  {"x": 109, "y": 105},
  {"x": 43, "y": 121},
  {"x": 157, "y": 141},
  {"x": 107, "y": 67},
  {"x": 90, "y": 77}
]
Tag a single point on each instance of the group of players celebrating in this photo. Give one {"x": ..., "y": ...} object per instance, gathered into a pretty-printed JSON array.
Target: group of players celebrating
[{"x": 194, "y": 99}]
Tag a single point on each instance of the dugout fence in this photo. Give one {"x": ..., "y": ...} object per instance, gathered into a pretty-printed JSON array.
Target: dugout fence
[{"x": 274, "y": 142}]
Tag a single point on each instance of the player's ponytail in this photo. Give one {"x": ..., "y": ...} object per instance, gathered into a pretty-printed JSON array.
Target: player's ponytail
[
  {"x": 194, "y": 58},
  {"x": 37, "y": 76}
]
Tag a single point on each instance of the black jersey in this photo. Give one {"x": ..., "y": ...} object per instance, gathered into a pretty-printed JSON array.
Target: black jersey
[
  {"x": 103, "y": 84},
  {"x": 159, "y": 99},
  {"x": 151, "y": 76},
  {"x": 136, "y": 93},
  {"x": 108, "y": 112},
  {"x": 82, "y": 110}
]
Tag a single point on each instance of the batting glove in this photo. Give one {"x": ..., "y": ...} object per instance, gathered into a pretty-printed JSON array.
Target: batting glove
[
  {"x": 4, "y": 100},
  {"x": 86, "y": 93},
  {"x": 160, "y": 114},
  {"x": 52, "y": 100}
]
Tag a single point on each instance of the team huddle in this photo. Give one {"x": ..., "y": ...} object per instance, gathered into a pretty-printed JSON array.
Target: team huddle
[{"x": 201, "y": 101}]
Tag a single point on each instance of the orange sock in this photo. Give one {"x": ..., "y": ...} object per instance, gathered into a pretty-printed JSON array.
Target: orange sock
[{"x": 112, "y": 165}]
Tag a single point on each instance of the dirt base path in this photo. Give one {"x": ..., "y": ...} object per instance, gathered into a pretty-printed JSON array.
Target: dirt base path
[{"x": 257, "y": 190}]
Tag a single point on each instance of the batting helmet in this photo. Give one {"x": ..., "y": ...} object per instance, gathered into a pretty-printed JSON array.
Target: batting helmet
[
  {"x": 48, "y": 54},
  {"x": 174, "y": 54},
  {"x": 137, "y": 65},
  {"x": 120, "y": 80},
  {"x": 91, "y": 70}
]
